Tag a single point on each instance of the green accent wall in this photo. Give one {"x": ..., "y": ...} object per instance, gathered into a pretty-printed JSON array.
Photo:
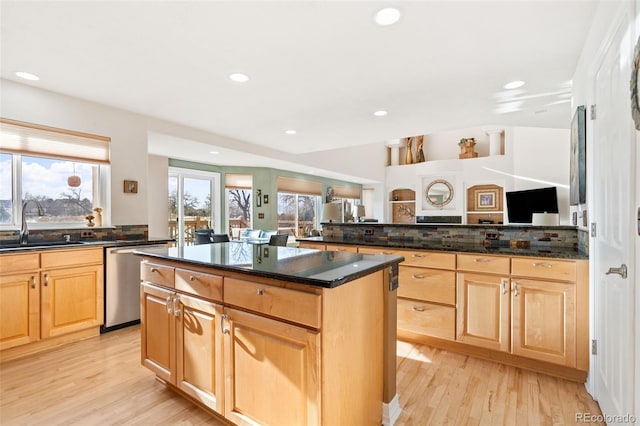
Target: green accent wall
[{"x": 264, "y": 179}]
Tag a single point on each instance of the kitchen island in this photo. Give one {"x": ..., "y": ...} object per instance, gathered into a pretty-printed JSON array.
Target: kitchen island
[{"x": 260, "y": 334}]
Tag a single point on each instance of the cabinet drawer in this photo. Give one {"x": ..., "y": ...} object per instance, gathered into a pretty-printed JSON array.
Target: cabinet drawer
[
  {"x": 19, "y": 262},
  {"x": 157, "y": 274},
  {"x": 428, "y": 259},
  {"x": 64, "y": 258},
  {"x": 482, "y": 263},
  {"x": 199, "y": 284},
  {"x": 292, "y": 305},
  {"x": 431, "y": 285},
  {"x": 377, "y": 250},
  {"x": 340, "y": 247},
  {"x": 544, "y": 268},
  {"x": 315, "y": 246},
  {"x": 427, "y": 319}
]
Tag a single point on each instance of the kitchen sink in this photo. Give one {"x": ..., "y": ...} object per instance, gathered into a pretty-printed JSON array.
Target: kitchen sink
[{"x": 40, "y": 244}]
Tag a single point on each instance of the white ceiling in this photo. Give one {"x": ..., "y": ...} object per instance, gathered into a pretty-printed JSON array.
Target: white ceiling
[{"x": 319, "y": 67}]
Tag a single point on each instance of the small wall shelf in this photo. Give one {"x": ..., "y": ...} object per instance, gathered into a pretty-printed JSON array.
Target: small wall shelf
[{"x": 403, "y": 205}]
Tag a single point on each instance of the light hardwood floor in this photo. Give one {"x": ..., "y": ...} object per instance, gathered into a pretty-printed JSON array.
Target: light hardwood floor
[{"x": 100, "y": 382}]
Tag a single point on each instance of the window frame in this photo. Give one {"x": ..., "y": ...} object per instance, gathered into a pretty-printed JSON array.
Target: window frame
[{"x": 100, "y": 194}]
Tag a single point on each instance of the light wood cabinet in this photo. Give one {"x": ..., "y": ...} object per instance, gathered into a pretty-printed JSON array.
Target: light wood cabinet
[
  {"x": 181, "y": 342},
  {"x": 312, "y": 245},
  {"x": 19, "y": 309},
  {"x": 71, "y": 299},
  {"x": 544, "y": 321},
  {"x": 517, "y": 309},
  {"x": 47, "y": 296},
  {"x": 530, "y": 312},
  {"x": 341, "y": 247},
  {"x": 271, "y": 352},
  {"x": 483, "y": 311},
  {"x": 266, "y": 358}
]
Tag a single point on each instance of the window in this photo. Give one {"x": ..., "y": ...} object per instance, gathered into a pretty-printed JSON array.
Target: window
[
  {"x": 238, "y": 189},
  {"x": 60, "y": 170},
  {"x": 298, "y": 213}
]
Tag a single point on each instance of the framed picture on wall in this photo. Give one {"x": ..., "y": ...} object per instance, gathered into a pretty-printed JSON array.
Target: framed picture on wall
[
  {"x": 486, "y": 199},
  {"x": 578, "y": 166}
]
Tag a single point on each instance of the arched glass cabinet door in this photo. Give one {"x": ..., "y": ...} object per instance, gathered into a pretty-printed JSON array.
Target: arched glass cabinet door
[{"x": 439, "y": 193}]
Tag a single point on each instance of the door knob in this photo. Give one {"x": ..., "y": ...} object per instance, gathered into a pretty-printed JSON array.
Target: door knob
[{"x": 622, "y": 271}]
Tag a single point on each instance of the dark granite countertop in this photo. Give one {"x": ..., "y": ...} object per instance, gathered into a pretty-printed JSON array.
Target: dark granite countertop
[
  {"x": 303, "y": 266},
  {"x": 14, "y": 247},
  {"x": 559, "y": 253}
]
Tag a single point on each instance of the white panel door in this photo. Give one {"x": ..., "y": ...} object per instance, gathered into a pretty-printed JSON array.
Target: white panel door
[{"x": 614, "y": 189}]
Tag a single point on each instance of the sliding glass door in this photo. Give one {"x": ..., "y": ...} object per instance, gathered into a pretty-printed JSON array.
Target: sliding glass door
[{"x": 194, "y": 203}]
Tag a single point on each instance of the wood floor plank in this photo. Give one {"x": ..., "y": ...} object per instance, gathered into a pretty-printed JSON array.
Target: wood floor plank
[{"x": 100, "y": 381}]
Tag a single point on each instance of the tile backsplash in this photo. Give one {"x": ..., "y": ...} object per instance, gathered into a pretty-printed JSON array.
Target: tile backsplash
[{"x": 118, "y": 232}]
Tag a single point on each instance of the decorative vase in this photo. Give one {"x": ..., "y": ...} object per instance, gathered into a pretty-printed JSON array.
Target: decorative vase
[
  {"x": 419, "y": 152},
  {"x": 409, "y": 158}
]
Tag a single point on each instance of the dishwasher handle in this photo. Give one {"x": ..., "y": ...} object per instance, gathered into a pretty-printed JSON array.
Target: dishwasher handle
[{"x": 131, "y": 249}]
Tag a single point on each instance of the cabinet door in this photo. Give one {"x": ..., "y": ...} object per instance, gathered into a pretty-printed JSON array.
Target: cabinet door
[
  {"x": 544, "y": 324},
  {"x": 199, "y": 348},
  {"x": 483, "y": 311},
  {"x": 157, "y": 326},
  {"x": 272, "y": 371},
  {"x": 19, "y": 309},
  {"x": 72, "y": 300}
]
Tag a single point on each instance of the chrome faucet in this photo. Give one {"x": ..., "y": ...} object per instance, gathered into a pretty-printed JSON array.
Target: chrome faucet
[{"x": 24, "y": 230}]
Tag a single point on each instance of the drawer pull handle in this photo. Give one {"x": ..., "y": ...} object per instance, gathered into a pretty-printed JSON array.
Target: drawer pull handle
[
  {"x": 418, "y": 255},
  {"x": 33, "y": 281},
  {"x": 516, "y": 289},
  {"x": 222, "y": 319},
  {"x": 418, "y": 277},
  {"x": 154, "y": 269},
  {"x": 192, "y": 278},
  {"x": 418, "y": 309},
  {"x": 482, "y": 260},
  {"x": 46, "y": 280},
  {"x": 169, "y": 305},
  {"x": 176, "y": 306},
  {"x": 260, "y": 292},
  {"x": 542, "y": 265},
  {"x": 503, "y": 285},
  {"x": 387, "y": 252}
]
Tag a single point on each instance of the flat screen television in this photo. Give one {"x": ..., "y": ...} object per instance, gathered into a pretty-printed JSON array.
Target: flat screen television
[{"x": 521, "y": 205}]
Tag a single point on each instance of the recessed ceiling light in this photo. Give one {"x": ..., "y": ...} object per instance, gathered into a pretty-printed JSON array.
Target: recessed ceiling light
[
  {"x": 380, "y": 113},
  {"x": 290, "y": 132},
  {"x": 239, "y": 77},
  {"x": 387, "y": 16},
  {"x": 214, "y": 152},
  {"x": 27, "y": 76},
  {"x": 514, "y": 84}
]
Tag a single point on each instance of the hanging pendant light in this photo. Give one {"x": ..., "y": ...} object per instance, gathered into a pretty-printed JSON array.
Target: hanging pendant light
[{"x": 74, "y": 181}]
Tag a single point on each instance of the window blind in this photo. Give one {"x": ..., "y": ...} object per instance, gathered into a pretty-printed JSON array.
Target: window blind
[
  {"x": 299, "y": 186},
  {"x": 340, "y": 191},
  {"x": 18, "y": 137},
  {"x": 236, "y": 181}
]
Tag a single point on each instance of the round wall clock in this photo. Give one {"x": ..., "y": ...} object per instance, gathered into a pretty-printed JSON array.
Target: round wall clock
[{"x": 635, "y": 106}]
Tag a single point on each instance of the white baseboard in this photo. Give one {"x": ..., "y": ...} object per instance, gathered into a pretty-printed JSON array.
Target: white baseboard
[{"x": 391, "y": 411}]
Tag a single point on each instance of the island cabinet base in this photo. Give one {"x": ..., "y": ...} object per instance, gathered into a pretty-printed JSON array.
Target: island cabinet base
[{"x": 253, "y": 361}]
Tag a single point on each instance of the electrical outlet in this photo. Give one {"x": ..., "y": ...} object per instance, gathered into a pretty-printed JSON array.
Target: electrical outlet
[
  {"x": 368, "y": 232},
  {"x": 87, "y": 234}
]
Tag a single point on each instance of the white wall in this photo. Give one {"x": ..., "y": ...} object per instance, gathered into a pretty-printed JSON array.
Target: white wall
[
  {"x": 533, "y": 158},
  {"x": 541, "y": 159},
  {"x": 127, "y": 131},
  {"x": 157, "y": 195}
]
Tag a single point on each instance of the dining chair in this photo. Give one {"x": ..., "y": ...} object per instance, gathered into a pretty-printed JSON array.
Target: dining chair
[
  {"x": 219, "y": 238},
  {"x": 278, "y": 240},
  {"x": 203, "y": 236}
]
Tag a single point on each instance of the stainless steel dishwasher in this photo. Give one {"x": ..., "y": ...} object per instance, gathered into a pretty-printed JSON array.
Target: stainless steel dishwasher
[{"x": 122, "y": 286}]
